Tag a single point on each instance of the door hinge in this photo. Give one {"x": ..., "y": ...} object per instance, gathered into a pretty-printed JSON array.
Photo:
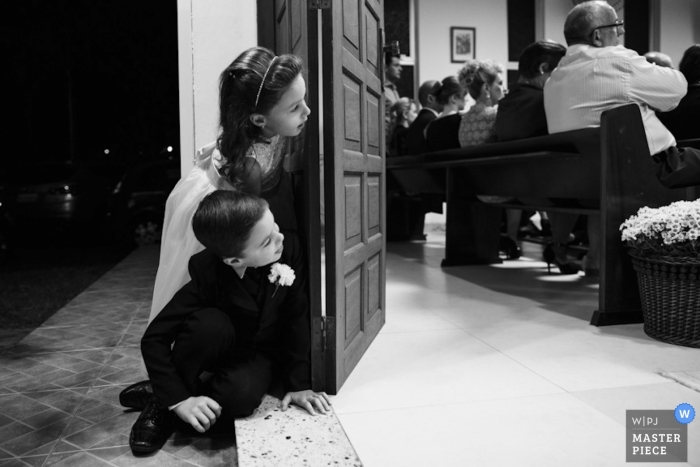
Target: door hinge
[
  {"x": 324, "y": 333},
  {"x": 319, "y": 4},
  {"x": 320, "y": 334}
]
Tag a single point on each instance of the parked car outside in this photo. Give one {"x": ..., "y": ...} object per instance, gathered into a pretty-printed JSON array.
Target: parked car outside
[
  {"x": 137, "y": 204},
  {"x": 66, "y": 196}
]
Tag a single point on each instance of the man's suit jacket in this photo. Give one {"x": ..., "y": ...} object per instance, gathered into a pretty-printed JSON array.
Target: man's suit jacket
[
  {"x": 281, "y": 324},
  {"x": 415, "y": 138}
]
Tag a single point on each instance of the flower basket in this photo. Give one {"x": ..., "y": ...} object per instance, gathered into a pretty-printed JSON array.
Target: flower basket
[
  {"x": 664, "y": 244},
  {"x": 670, "y": 295}
]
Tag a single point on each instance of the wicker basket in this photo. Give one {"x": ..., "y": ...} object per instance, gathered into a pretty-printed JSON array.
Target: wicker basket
[{"x": 670, "y": 292}]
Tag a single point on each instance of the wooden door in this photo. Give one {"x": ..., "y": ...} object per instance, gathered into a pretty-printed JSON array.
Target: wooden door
[
  {"x": 291, "y": 26},
  {"x": 353, "y": 126},
  {"x": 352, "y": 122}
]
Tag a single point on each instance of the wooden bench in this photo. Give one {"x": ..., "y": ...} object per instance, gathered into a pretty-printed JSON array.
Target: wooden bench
[{"x": 606, "y": 170}]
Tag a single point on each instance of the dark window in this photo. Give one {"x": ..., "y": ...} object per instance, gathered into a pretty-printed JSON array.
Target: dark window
[
  {"x": 521, "y": 27},
  {"x": 396, "y": 25}
]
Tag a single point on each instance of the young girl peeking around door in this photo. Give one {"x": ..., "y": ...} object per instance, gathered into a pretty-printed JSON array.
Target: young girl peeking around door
[{"x": 261, "y": 107}]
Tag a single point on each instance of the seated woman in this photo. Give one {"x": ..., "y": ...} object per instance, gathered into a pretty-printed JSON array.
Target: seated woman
[
  {"x": 683, "y": 120},
  {"x": 442, "y": 133},
  {"x": 484, "y": 81},
  {"x": 402, "y": 114},
  {"x": 521, "y": 115}
]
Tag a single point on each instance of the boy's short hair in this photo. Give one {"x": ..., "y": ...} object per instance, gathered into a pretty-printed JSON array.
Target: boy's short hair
[{"x": 224, "y": 219}]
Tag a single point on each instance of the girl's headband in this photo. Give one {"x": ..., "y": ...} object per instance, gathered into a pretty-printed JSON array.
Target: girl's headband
[{"x": 263, "y": 81}]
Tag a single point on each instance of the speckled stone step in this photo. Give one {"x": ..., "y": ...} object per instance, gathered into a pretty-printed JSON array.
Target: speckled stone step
[{"x": 271, "y": 437}]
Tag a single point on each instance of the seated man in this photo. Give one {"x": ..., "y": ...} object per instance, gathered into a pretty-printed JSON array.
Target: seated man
[
  {"x": 521, "y": 115},
  {"x": 598, "y": 74},
  {"x": 427, "y": 96},
  {"x": 241, "y": 318},
  {"x": 683, "y": 120},
  {"x": 521, "y": 111}
]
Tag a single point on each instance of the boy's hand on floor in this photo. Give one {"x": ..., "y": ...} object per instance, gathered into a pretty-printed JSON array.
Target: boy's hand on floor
[
  {"x": 201, "y": 412},
  {"x": 308, "y": 400}
]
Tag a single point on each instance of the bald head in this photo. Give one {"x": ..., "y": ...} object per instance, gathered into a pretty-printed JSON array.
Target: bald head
[
  {"x": 584, "y": 18},
  {"x": 657, "y": 58}
]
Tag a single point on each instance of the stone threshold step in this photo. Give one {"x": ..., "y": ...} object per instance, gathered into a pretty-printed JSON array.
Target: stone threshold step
[{"x": 292, "y": 438}]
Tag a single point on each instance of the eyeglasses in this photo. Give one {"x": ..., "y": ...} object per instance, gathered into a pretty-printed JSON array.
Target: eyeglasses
[{"x": 620, "y": 25}]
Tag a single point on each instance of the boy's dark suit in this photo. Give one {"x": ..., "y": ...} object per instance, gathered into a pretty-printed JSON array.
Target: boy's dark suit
[{"x": 218, "y": 323}]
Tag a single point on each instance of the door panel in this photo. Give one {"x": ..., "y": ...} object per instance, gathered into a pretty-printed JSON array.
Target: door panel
[
  {"x": 353, "y": 96},
  {"x": 295, "y": 30},
  {"x": 353, "y": 179}
]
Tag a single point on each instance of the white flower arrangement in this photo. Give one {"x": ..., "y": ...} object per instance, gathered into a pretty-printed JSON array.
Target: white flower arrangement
[
  {"x": 281, "y": 274},
  {"x": 668, "y": 231}
]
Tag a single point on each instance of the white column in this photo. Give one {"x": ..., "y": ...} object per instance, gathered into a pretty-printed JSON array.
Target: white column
[{"x": 211, "y": 34}]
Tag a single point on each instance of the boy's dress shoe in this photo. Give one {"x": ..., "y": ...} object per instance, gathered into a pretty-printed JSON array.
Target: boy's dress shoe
[
  {"x": 137, "y": 395},
  {"x": 152, "y": 429}
]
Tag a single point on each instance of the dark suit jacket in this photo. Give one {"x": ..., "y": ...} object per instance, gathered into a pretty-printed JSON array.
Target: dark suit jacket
[
  {"x": 443, "y": 133},
  {"x": 683, "y": 120},
  {"x": 415, "y": 139},
  {"x": 281, "y": 325},
  {"x": 521, "y": 113}
]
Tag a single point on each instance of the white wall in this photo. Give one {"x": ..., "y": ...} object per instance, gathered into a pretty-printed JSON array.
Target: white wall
[
  {"x": 434, "y": 18},
  {"x": 679, "y": 27},
  {"x": 211, "y": 34},
  {"x": 555, "y": 12}
]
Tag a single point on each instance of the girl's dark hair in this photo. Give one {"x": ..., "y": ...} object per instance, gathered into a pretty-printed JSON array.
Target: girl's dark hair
[
  {"x": 690, "y": 64},
  {"x": 450, "y": 87},
  {"x": 540, "y": 52},
  {"x": 224, "y": 219},
  {"x": 239, "y": 84}
]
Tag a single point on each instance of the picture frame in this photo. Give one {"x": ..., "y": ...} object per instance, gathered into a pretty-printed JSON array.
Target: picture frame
[{"x": 462, "y": 44}]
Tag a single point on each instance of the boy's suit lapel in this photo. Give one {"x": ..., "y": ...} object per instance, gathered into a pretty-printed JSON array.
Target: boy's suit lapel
[
  {"x": 268, "y": 289},
  {"x": 232, "y": 290}
]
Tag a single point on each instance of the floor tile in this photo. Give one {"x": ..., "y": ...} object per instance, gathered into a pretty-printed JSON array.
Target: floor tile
[
  {"x": 552, "y": 430},
  {"x": 614, "y": 403},
  {"x": 432, "y": 368}
]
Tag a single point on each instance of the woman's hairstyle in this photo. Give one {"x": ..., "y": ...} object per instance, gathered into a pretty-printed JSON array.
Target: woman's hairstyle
[
  {"x": 450, "y": 87},
  {"x": 540, "y": 52},
  {"x": 690, "y": 64},
  {"x": 224, "y": 219},
  {"x": 399, "y": 110},
  {"x": 475, "y": 73},
  {"x": 253, "y": 83}
]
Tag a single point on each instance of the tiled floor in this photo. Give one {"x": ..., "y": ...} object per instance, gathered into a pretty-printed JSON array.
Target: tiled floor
[
  {"x": 498, "y": 366},
  {"x": 59, "y": 386},
  {"x": 483, "y": 366}
]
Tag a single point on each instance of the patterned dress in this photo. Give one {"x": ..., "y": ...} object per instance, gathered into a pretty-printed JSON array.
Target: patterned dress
[{"x": 477, "y": 126}]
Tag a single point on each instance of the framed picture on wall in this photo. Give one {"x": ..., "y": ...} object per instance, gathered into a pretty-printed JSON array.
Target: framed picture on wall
[{"x": 462, "y": 43}]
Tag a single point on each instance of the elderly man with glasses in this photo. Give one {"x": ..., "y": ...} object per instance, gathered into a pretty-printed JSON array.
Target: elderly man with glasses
[{"x": 598, "y": 74}]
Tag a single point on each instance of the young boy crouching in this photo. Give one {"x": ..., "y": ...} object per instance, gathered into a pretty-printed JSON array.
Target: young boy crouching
[{"x": 243, "y": 318}]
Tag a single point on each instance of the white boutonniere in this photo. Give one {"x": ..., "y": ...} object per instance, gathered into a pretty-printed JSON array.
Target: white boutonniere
[{"x": 281, "y": 274}]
